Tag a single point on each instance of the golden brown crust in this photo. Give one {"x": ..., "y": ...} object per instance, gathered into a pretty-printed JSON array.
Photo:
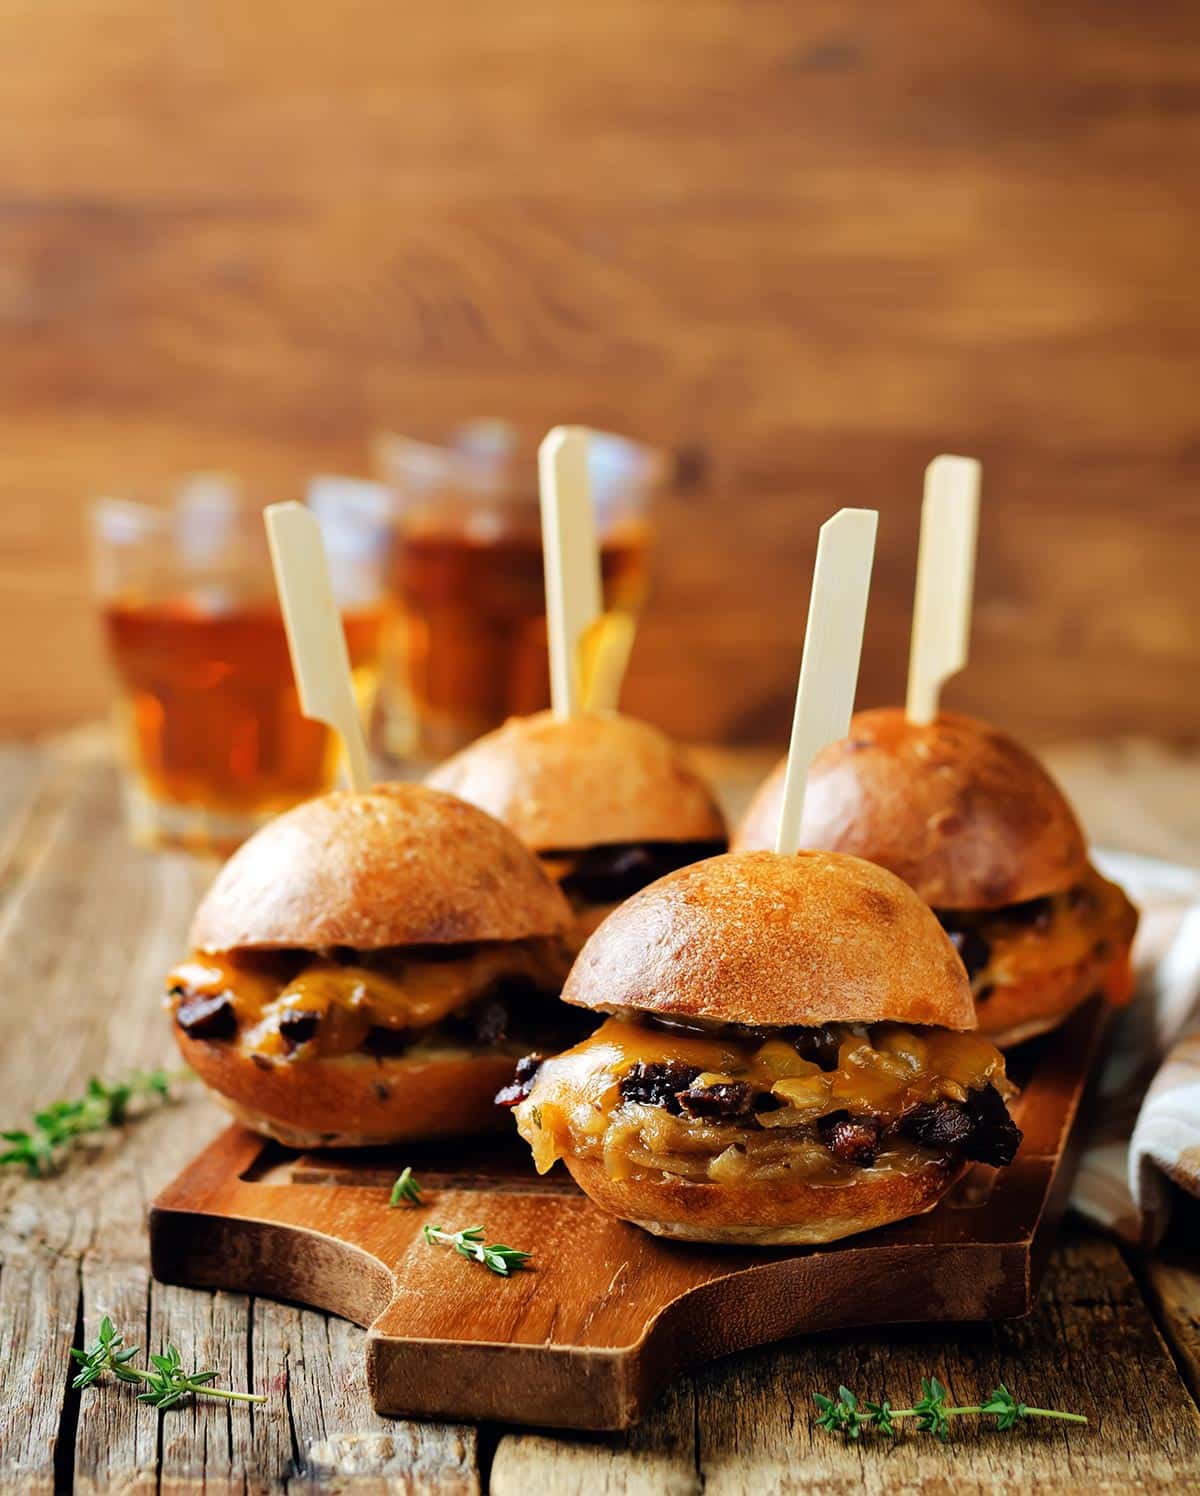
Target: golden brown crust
[
  {"x": 752, "y": 937},
  {"x": 591, "y": 781},
  {"x": 354, "y": 1100},
  {"x": 1020, "y": 1010},
  {"x": 784, "y": 1213},
  {"x": 402, "y": 865},
  {"x": 957, "y": 809}
]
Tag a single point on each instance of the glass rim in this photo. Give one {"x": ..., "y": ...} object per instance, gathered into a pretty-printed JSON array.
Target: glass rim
[
  {"x": 410, "y": 468},
  {"x": 194, "y": 494}
]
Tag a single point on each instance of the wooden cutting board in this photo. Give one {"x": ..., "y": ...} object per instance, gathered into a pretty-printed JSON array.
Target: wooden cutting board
[{"x": 607, "y": 1314}]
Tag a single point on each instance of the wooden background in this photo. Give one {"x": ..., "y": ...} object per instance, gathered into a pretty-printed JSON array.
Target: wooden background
[{"x": 804, "y": 245}]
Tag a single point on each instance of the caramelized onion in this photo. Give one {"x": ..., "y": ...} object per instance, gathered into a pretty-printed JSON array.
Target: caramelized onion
[{"x": 883, "y": 1071}]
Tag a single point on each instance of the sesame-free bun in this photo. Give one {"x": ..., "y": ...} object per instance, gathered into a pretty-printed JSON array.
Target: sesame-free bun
[
  {"x": 957, "y": 809},
  {"x": 593, "y": 780},
  {"x": 354, "y": 1100},
  {"x": 788, "y": 1212},
  {"x": 756, "y": 938},
  {"x": 399, "y": 865}
]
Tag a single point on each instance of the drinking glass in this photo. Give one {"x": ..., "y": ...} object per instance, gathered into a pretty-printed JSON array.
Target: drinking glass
[
  {"x": 465, "y": 640},
  {"x": 209, "y": 723}
]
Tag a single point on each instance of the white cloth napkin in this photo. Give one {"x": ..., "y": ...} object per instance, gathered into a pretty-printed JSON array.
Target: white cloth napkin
[{"x": 1145, "y": 1128}]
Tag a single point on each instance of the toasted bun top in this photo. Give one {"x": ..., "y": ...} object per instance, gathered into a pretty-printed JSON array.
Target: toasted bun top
[
  {"x": 753, "y": 937},
  {"x": 587, "y": 782},
  {"x": 401, "y": 865},
  {"x": 957, "y": 809}
]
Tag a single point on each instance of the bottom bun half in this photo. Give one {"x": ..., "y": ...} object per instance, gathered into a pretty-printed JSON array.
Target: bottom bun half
[
  {"x": 782, "y": 1213},
  {"x": 354, "y": 1100},
  {"x": 1021, "y": 1010}
]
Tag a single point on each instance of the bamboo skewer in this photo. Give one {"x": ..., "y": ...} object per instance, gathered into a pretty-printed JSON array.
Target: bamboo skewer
[
  {"x": 945, "y": 582},
  {"x": 315, "y": 634},
  {"x": 572, "y": 565},
  {"x": 837, "y": 612}
]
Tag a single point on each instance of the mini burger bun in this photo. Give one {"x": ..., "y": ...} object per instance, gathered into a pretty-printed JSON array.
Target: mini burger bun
[
  {"x": 594, "y": 780},
  {"x": 1014, "y": 1012},
  {"x": 399, "y": 865},
  {"x": 956, "y": 808},
  {"x": 787, "y": 1213},
  {"x": 758, "y": 938},
  {"x": 358, "y": 1100}
]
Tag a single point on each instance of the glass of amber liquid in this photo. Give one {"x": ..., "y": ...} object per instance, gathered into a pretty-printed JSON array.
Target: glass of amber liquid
[
  {"x": 465, "y": 640},
  {"x": 207, "y": 714}
]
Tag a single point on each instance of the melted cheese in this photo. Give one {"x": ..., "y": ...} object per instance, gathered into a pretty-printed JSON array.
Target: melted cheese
[
  {"x": 559, "y": 865},
  {"x": 576, "y": 1107},
  {"x": 1089, "y": 922},
  {"x": 400, "y": 994}
]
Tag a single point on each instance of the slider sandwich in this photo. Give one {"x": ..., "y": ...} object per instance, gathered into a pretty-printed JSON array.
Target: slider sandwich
[
  {"x": 786, "y": 1057},
  {"x": 608, "y": 803},
  {"x": 367, "y": 967},
  {"x": 977, "y": 827}
]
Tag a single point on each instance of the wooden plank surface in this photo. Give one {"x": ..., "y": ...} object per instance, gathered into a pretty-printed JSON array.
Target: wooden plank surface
[
  {"x": 610, "y": 1315},
  {"x": 87, "y": 925},
  {"x": 749, "y": 1425},
  {"x": 1171, "y": 1282},
  {"x": 804, "y": 248}
]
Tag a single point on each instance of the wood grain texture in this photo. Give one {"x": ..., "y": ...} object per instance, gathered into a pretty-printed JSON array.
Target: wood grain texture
[
  {"x": 78, "y": 991},
  {"x": 751, "y": 1427},
  {"x": 805, "y": 250},
  {"x": 1171, "y": 1281},
  {"x": 1135, "y": 795},
  {"x": 606, "y": 1314},
  {"x": 87, "y": 929},
  {"x": 332, "y": 1436}
]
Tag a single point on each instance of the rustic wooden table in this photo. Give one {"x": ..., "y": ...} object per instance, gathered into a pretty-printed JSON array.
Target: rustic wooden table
[{"x": 87, "y": 927}]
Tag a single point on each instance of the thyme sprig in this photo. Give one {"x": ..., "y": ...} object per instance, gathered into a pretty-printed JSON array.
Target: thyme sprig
[
  {"x": 846, "y": 1415},
  {"x": 406, "y": 1190},
  {"x": 42, "y": 1147},
  {"x": 166, "y": 1382},
  {"x": 469, "y": 1242}
]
